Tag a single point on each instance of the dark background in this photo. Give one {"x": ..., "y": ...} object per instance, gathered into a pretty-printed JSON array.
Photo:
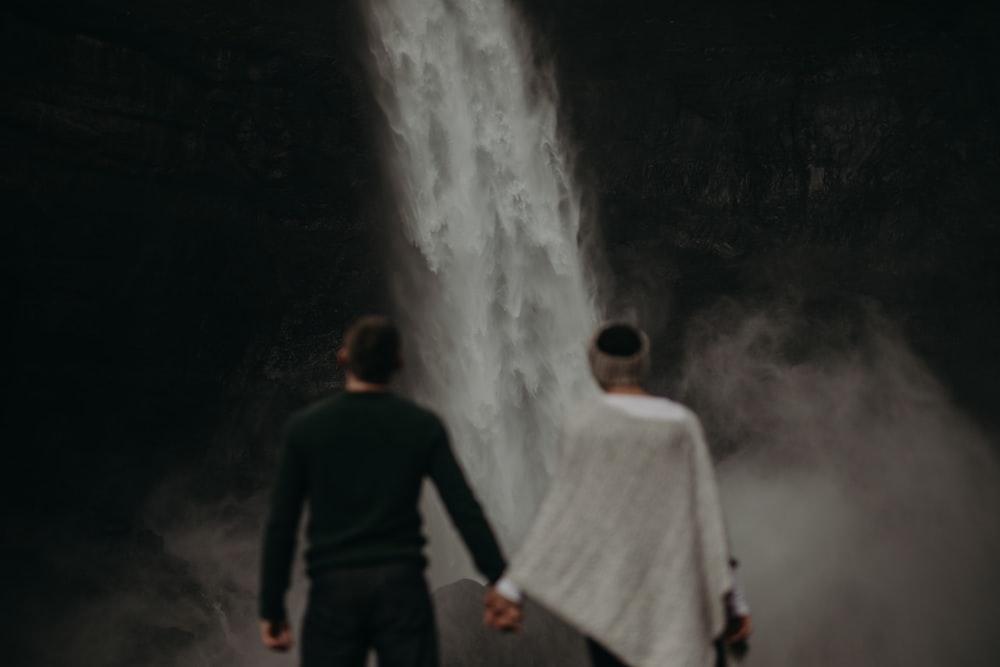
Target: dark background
[{"x": 190, "y": 193}]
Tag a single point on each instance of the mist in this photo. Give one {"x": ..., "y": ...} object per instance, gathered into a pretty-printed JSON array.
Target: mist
[
  {"x": 862, "y": 503},
  {"x": 221, "y": 543}
]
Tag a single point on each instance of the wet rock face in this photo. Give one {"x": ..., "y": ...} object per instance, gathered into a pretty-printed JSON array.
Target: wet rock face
[
  {"x": 843, "y": 153},
  {"x": 182, "y": 237},
  {"x": 181, "y": 189}
]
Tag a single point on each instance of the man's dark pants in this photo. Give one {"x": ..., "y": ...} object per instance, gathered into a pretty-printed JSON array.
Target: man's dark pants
[{"x": 385, "y": 607}]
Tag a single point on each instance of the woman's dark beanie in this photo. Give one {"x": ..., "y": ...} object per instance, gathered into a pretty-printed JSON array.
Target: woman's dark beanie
[{"x": 618, "y": 354}]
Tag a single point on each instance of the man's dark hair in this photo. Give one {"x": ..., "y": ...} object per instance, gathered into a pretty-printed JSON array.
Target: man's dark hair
[
  {"x": 372, "y": 345},
  {"x": 619, "y": 340}
]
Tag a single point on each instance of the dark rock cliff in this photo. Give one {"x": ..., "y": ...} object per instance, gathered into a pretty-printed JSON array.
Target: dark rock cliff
[
  {"x": 183, "y": 239},
  {"x": 840, "y": 151},
  {"x": 181, "y": 182}
]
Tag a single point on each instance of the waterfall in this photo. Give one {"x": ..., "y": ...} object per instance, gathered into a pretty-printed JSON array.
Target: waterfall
[{"x": 490, "y": 284}]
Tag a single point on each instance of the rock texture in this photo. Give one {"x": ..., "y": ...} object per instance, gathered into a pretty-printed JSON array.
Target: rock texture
[
  {"x": 183, "y": 239},
  {"x": 843, "y": 152}
]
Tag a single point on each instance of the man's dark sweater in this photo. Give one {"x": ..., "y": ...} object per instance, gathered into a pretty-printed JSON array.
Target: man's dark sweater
[{"x": 358, "y": 461}]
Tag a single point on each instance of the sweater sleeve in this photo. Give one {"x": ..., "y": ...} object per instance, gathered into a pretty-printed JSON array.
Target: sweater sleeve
[
  {"x": 464, "y": 509},
  {"x": 280, "y": 533}
]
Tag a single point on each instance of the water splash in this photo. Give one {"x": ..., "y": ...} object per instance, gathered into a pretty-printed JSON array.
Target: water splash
[
  {"x": 861, "y": 501},
  {"x": 490, "y": 283}
]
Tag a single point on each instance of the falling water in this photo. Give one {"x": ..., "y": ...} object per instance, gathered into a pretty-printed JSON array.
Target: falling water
[
  {"x": 862, "y": 503},
  {"x": 490, "y": 284}
]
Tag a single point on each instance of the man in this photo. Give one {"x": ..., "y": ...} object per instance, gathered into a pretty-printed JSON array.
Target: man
[
  {"x": 358, "y": 461},
  {"x": 630, "y": 545}
]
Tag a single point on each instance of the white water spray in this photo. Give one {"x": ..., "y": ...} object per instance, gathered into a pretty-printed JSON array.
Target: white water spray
[{"x": 491, "y": 286}]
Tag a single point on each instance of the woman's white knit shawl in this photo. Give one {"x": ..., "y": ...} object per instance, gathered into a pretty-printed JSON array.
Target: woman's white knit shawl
[{"x": 630, "y": 544}]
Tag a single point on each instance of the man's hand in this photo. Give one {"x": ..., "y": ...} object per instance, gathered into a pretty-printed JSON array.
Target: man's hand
[
  {"x": 276, "y": 636},
  {"x": 738, "y": 629},
  {"x": 501, "y": 613}
]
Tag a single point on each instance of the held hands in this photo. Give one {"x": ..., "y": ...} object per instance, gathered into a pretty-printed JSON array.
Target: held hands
[
  {"x": 502, "y": 614},
  {"x": 276, "y": 636}
]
